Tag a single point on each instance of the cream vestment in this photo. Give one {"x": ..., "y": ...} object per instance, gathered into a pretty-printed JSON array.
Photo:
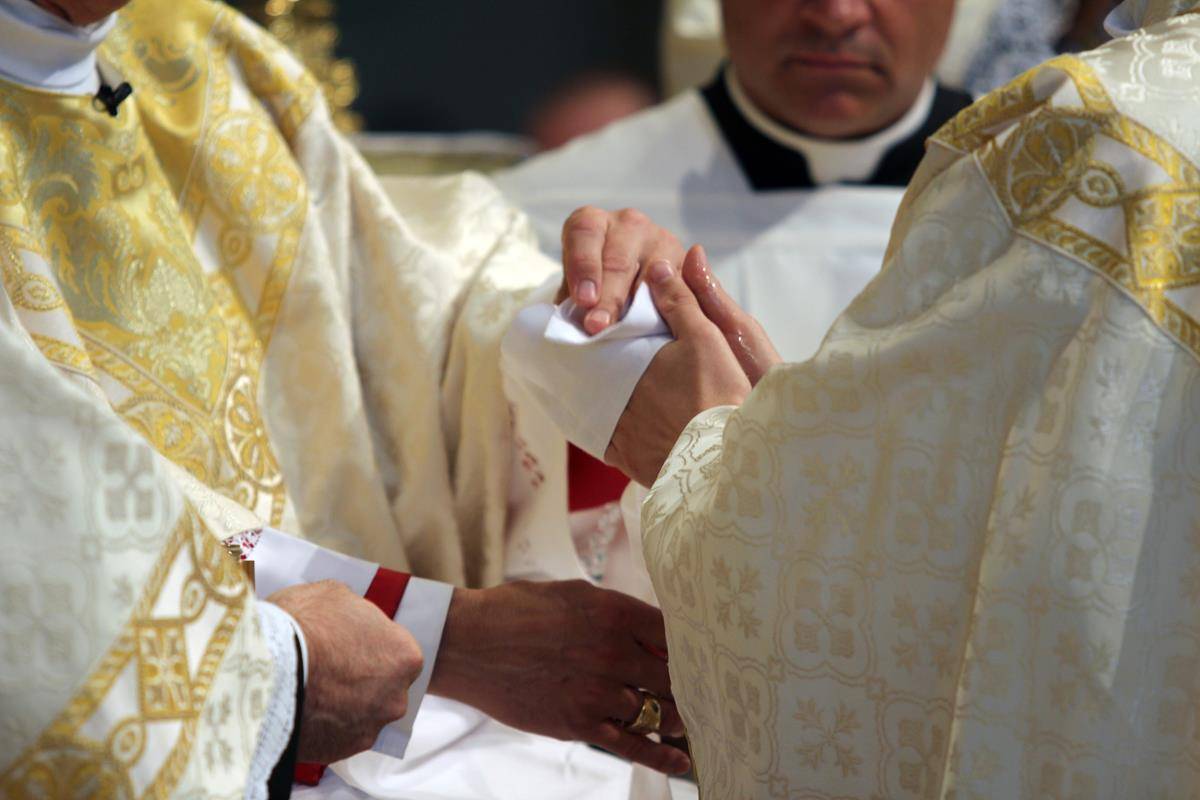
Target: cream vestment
[
  {"x": 956, "y": 553},
  {"x": 213, "y": 319}
]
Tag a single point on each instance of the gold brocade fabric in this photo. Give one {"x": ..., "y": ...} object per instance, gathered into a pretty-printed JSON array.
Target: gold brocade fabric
[
  {"x": 98, "y": 220},
  {"x": 955, "y": 555},
  {"x": 225, "y": 269}
]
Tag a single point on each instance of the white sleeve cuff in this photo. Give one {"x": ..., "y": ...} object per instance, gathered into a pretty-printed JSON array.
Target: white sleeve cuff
[
  {"x": 303, "y": 646},
  {"x": 582, "y": 382},
  {"x": 279, "y": 631},
  {"x": 422, "y": 613}
]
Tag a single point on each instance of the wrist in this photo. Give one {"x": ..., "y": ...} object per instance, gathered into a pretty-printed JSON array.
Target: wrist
[{"x": 455, "y": 671}]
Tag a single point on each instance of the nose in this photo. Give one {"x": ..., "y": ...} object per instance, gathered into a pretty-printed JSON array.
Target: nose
[{"x": 836, "y": 18}]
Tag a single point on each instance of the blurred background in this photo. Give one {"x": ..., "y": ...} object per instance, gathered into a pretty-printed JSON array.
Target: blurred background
[{"x": 437, "y": 85}]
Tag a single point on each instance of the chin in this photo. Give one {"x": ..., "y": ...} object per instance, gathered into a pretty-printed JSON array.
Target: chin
[{"x": 837, "y": 116}]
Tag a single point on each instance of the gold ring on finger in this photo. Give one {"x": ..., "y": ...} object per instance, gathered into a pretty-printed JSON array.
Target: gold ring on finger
[{"x": 649, "y": 718}]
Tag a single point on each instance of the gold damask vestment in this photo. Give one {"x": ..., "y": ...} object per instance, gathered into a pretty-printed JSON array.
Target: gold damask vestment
[
  {"x": 957, "y": 554},
  {"x": 214, "y": 319}
]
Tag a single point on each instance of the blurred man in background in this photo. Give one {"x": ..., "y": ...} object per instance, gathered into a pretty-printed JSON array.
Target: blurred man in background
[{"x": 789, "y": 166}]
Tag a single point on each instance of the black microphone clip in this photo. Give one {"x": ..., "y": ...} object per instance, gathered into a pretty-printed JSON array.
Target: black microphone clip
[{"x": 108, "y": 98}]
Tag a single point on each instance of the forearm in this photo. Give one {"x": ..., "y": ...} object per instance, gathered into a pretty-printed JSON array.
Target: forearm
[{"x": 455, "y": 672}]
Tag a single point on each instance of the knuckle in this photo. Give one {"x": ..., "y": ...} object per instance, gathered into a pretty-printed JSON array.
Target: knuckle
[
  {"x": 607, "y": 652},
  {"x": 631, "y": 217},
  {"x": 586, "y": 219},
  {"x": 582, "y": 258},
  {"x": 616, "y": 264},
  {"x": 396, "y": 706},
  {"x": 577, "y": 589},
  {"x": 415, "y": 664},
  {"x": 595, "y": 696},
  {"x": 670, "y": 301}
]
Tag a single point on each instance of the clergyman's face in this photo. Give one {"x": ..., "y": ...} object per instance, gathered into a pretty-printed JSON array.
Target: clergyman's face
[
  {"x": 82, "y": 12},
  {"x": 835, "y": 68}
]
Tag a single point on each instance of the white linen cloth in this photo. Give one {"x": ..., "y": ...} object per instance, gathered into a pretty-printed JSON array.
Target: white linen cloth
[
  {"x": 583, "y": 382},
  {"x": 458, "y": 753}
]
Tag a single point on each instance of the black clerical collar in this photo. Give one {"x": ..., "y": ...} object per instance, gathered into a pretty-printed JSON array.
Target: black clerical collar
[{"x": 771, "y": 166}]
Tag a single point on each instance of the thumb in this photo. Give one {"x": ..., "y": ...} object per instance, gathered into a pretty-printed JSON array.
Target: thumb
[
  {"x": 749, "y": 342},
  {"x": 674, "y": 299}
]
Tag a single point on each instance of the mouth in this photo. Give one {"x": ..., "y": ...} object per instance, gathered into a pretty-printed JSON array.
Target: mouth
[{"x": 832, "y": 62}]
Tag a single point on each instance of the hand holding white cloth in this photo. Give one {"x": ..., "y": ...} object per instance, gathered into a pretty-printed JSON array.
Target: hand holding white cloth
[
  {"x": 582, "y": 382},
  {"x": 281, "y": 560}
]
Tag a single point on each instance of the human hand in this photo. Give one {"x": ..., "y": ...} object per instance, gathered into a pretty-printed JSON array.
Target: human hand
[
  {"x": 360, "y": 665},
  {"x": 743, "y": 333},
  {"x": 603, "y": 255},
  {"x": 561, "y": 659},
  {"x": 694, "y": 373}
]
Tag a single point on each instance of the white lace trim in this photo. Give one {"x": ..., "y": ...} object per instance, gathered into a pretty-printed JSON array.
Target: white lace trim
[{"x": 279, "y": 631}]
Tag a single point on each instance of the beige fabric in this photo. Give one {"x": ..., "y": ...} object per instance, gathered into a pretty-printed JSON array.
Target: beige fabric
[
  {"x": 692, "y": 44},
  {"x": 214, "y": 319},
  {"x": 130, "y": 641},
  {"x": 381, "y": 388},
  {"x": 955, "y": 554}
]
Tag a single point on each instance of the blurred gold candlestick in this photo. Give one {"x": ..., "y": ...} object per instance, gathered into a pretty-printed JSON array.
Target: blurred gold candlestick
[{"x": 309, "y": 29}]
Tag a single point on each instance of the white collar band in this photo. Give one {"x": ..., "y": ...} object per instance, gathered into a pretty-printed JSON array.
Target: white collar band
[
  {"x": 834, "y": 160},
  {"x": 41, "y": 51}
]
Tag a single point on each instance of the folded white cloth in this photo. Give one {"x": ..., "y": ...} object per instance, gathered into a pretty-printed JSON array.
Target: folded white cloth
[{"x": 582, "y": 382}]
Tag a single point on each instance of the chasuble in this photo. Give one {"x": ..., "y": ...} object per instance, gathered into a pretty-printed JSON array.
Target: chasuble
[
  {"x": 214, "y": 320},
  {"x": 955, "y": 554}
]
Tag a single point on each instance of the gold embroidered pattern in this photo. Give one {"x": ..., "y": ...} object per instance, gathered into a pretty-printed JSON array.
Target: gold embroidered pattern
[
  {"x": 1059, "y": 167},
  {"x": 173, "y": 299},
  {"x": 65, "y": 761}
]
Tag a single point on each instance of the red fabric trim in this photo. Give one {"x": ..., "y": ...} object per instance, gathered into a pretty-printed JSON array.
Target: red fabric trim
[
  {"x": 386, "y": 591},
  {"x": 309, "y": 774},
  {"x": 591, "y": 483}
]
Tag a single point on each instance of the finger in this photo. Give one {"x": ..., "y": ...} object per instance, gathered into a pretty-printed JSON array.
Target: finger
[
  {"x": 644, "y": 670},
  {"x": 718, "y": 306},
  {"x": 583, "y": 239},
  {"x": 674, "y": 299},
  {"x": 748, "y": 341},
  {"x": 641, "y": 750},
  {"x": 623, "y": 242},
  {"x": 645, "y": 623},
  {"x": 630, "y": 705},
  {"x": 672, "y": 721}
]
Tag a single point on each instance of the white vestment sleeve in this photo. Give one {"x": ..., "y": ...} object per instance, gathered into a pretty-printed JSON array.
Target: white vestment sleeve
[
  {"x": 422, "y": 613},
  {"x": 280, "y": 632},
  {"x": 581, "y": 382}
]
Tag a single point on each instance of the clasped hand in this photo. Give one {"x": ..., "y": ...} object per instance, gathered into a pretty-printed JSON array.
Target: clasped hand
[{"x": 720, "y": 352}]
